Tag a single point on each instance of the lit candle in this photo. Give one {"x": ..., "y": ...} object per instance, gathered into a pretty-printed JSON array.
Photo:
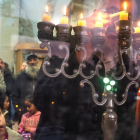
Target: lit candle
[
  {"x": 99, "y": 23},
  {"x": 137, "y": 29},
  {"x": 81, "y": 22},
  {"x": 64, "y": 19},
  {"x": 124, "y": 15},
  {"x": 46, "y": 16}
]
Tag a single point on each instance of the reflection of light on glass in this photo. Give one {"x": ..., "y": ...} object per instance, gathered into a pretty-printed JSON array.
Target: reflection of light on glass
[
  {"x": 117, "y": 28},
  {"x": 47, "y": 8},
  {"x": 64, "y": 93},
  {"x": 52, "y": 103},
  {"x": 99, "y": 16},
  {"x": 56, "y": 20},
  {"x": 139, "y": 23},
  {"x": 19, "y": 109},
  {"x": 81, "y": 16},
  {"x": 131, "y": 53},
  {"x": 16, "y": 105},
  {"x": 125, "y": 6}
]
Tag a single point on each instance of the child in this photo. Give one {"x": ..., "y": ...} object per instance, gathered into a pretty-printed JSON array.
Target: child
[
  {"x": 4, "y": 101},
  {"x": 29, "y": 120},
  {"x": 5, "y": 132}
]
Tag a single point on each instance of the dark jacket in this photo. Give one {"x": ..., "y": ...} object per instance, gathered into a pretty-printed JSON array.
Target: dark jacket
[
  {"x": 74, "y": 114},
  {"x": 9, "y": 81},
  {"x": 24, "y": 85}
]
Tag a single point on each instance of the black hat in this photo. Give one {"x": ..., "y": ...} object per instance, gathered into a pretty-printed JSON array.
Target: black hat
[{"x": 31, "y": 56}]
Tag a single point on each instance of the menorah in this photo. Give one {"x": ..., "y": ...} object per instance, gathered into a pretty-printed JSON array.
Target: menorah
[{"x": 97, "y": 37}]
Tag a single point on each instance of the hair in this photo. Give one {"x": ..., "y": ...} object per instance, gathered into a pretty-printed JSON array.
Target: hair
[
  {"x": 7, "y": 67},
  {"x": 30, "y": 98},
  {"x": 2, "y": 99}
]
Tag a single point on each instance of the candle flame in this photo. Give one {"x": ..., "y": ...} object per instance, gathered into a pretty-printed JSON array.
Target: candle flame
[
  {"x": 47, "y": 8},
  {"x": 64, "y": 10},
  {"x": 125, "y": 6},
  {"x": 99, "y": 16},
  {"x": 81, "y": 16},
  {"x": 139, "y": 23}
]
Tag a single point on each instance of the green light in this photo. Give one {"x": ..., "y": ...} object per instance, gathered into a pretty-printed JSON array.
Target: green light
[
  {"x": 106, "y": 80},
  {"x": 112, "y": 83},
  {"x": 108, "y": 87},
  {"x": 115, "y": 89}
]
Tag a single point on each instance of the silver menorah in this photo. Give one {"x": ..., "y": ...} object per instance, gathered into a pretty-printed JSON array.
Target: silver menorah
[{"x": 97, "y": 37}]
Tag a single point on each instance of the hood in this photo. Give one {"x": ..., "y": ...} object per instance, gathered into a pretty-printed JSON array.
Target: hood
[{"x": 13, "y": 135}]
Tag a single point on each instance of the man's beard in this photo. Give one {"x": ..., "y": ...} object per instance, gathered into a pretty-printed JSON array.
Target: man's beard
[{"x": 32, "y": 70}]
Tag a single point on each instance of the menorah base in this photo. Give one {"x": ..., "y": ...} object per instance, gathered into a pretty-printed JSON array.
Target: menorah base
[{"x": 109, "y": 124}]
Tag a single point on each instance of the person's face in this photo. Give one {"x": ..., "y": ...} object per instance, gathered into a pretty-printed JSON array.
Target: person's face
[
  {"x": 32, "y": 61},
  {"x": 30, "y": 107},
  {"x": 24, "y": 65},
  {"x": 2, "y": 125},
  {"x": 6, "y": 103},
  {"x": 2, "y": 67}
]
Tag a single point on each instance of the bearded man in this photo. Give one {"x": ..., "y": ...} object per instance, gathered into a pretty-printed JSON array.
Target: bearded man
[{"x": 25, "y": 85}]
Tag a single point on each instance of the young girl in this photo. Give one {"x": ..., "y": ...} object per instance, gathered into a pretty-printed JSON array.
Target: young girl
[
  {"x": 4, "y": 101},
  {"x": 29, "y": 120}
]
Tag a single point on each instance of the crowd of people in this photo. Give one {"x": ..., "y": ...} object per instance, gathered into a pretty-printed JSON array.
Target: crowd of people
[{"x": 16, "y": 100}]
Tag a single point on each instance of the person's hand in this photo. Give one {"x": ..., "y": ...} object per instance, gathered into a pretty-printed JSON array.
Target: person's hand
[
  {"x": 105, "y": 19},
  {"x": 27, "y": 129}
]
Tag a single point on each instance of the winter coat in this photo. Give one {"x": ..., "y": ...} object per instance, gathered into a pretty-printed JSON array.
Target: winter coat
[
  {"x": 24, "y": 85},
  {"x": 9, "y": 81},
  {"x": 13, "y": 135}
]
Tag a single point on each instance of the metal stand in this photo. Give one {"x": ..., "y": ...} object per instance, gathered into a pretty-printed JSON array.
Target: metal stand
[{"x": 82, "y": 36}]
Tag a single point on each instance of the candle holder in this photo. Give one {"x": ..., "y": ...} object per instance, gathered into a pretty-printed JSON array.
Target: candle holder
[
  {"x": 63, "y": 32},
  {"x": 81, "y": 34},
  {"x": 45, "y": 30},
  {"x": 124, "y": 34},
  {"x": 98, "y": 34},
  {"x": 45, "y": 33}
]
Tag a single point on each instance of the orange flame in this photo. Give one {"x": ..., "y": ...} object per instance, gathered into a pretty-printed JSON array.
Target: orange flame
[
  {"x": 125, "y": 6},
  {"x": 64, "y": 10},
  {"x": 47, "y": 8},
  {"x": 81, "y": 16}
]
